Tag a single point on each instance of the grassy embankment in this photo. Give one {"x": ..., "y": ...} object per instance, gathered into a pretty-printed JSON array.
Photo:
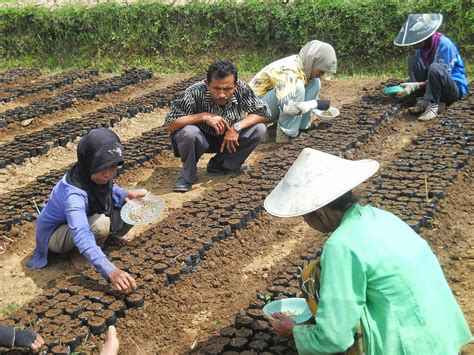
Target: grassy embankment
[{"x": 186, "y": 38}]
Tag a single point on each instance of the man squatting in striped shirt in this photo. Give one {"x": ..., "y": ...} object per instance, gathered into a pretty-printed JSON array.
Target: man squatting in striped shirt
[{"x": 219, "y": 115}]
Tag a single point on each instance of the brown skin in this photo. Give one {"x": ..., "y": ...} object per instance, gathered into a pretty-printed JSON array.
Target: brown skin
[
  {"x": 37, "y": 343},
  {"x": 103, "y": 176},
  {"x": 120, "y": 279},
  {"x": 111, "y": 345},
  {"x": 324, "y": 220},
  {"x": 221, "y": 91},
  {"x": 316, "y": 74}
]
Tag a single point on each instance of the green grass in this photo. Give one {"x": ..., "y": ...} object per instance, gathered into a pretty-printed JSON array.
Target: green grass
[
  {"x": 248, "y": 63},
  {"x": 186, "y": 38},
  {"x": 11, "y": 307}
]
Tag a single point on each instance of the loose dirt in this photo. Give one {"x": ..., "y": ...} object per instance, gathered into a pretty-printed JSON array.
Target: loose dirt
[
  {"x": 236, "y": 270},
  {"x": 81, "y": 107},
  {"x": 46, "y": 94}
]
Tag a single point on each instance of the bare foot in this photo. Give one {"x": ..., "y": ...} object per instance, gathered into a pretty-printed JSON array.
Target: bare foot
[
  {"x": 111, "y": 345},
  {"x": 79, "y": 261}
]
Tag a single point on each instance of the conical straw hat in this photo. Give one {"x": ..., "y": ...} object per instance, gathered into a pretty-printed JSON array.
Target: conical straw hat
[
  {"x": 417, "y": 28},
  {"x": 314, "y": 180}
]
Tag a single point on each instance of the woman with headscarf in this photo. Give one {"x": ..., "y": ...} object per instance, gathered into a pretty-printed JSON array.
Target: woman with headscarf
[
  {"x": 377, "y": 288},
  {"x": 84, "y": 209},
  {"x": 436, "y": 70},
  {"x": 291, "y": 86}
]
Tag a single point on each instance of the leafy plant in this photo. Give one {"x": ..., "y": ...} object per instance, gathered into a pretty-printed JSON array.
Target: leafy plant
[
  {"x": 187, "y": 37},
  {"x": 9, "y": 308}
]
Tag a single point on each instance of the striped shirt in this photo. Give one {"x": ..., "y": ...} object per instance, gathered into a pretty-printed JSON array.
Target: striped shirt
[{"x": 197, "y": 99}]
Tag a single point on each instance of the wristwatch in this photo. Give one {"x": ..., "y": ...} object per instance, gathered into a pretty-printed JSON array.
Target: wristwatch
[{"x": 237, "y": 127}]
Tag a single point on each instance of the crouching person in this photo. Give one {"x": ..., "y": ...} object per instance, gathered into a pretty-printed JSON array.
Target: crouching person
[
  {"x": 437, "y": 72},
  {"x": 83, "y": 210},
  {"x": 219, "y": 115}
]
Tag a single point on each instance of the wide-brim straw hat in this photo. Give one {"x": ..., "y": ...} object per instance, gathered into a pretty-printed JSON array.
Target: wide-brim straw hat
[
  {"x": 314, "y": 180},
  {"x": 417, "y": 28}
]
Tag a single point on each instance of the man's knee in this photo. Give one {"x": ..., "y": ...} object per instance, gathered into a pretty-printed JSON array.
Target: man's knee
[
  {"x": 259, "y": 132},
  {"x": 187, "y": 134}
]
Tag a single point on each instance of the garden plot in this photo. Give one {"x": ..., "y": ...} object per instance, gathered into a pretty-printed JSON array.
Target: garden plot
[
  {"x": 50, "y": 84},
  {"x": 206, "y": 261}
]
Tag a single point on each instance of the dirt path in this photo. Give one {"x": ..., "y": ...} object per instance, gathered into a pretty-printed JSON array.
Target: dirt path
[
  {"x": 46, "y": 94},
  {"x": 16, "y": 176},
  {"x": 451, "y": 236},
  {"x": 157, "y": 176},
  {"x": 82, "y": 107}
]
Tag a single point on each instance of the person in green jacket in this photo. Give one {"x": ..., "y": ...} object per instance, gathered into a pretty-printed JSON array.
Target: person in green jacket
[{"x": 376, "y": 272}]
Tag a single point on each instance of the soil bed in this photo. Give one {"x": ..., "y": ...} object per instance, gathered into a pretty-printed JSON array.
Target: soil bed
[{"x": 211, "y": 300}]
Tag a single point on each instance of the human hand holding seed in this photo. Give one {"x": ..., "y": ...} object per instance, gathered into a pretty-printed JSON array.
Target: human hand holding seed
[
  {"x": 131, "y": 195},
  {"x": 282, "y": 325},
  {"x": 122, "y": 281}
]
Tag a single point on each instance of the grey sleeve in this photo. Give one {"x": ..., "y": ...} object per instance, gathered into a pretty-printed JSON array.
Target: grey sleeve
[
  {"x": 7, "y": 337},
  {"x": 22, "y": 338}
]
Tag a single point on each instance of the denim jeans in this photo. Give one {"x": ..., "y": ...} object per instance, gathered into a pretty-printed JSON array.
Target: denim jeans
[{"x": 291, "y": 125}]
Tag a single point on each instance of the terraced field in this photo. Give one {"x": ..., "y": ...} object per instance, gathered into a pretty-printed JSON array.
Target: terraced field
[{"x": 202, "y": 266}]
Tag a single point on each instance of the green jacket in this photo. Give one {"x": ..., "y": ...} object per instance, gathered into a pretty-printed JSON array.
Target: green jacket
[{"x": 376, "y": 270}]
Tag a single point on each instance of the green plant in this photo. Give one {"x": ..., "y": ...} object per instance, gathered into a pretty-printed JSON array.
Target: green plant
[
  {"x": 187, "y": 37},
  {"x": 9, "y": 308}
]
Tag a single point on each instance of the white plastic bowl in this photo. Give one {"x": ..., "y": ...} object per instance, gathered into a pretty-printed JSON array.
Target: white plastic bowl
[
  {"x": 142, "y": 210},
  {"x": 297, "y": 306},
  {"x": 324, "y": 114}
]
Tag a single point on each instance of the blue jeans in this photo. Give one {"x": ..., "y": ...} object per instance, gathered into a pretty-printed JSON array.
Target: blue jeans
[{"x": 291, "y": 125}]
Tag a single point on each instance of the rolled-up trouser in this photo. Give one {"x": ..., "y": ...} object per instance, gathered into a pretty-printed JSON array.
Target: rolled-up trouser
[
  {"x": 291, "y": 125},
  {"x": 61, "y": 241},
  {"x": 192, "y": 143},
  {"x": 439, "y": 84}
]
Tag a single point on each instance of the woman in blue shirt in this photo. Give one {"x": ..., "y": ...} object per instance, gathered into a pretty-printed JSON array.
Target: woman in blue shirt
[
  {"x": 84, "y": 209},
  {"x": 436, "y": 70}
]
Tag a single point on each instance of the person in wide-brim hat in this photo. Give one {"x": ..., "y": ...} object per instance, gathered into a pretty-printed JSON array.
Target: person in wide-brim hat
[
  {"x": 376, "y": 287},
  {"x": 437, "y": 72}
]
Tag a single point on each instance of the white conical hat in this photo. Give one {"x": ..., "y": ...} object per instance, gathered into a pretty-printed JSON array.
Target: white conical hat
[
  {"x": 417, "y": 28},
  {"x": 314, "y": 180}
]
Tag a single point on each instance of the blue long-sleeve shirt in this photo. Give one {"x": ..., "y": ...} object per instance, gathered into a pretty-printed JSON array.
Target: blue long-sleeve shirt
[
  {"x": 448, "y": 55},
  {"x": 69, "y": 204}
]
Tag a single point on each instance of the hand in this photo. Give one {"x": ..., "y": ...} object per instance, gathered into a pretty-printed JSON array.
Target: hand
[
  {"x": 292, "y": 108},
  {"x": 410, "y": 88},
  {"x": 131, "y": 195},
  {"x": 231, "y": 141},
  {"x": 218, "y": 123},
  {"x": 122, "y": 281},
  {"x": 300, "y": 108},
  {"x": 282, "y": 325},
  {"x": 111, "y": 345},
  {"x": 37, "y": 344}
]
